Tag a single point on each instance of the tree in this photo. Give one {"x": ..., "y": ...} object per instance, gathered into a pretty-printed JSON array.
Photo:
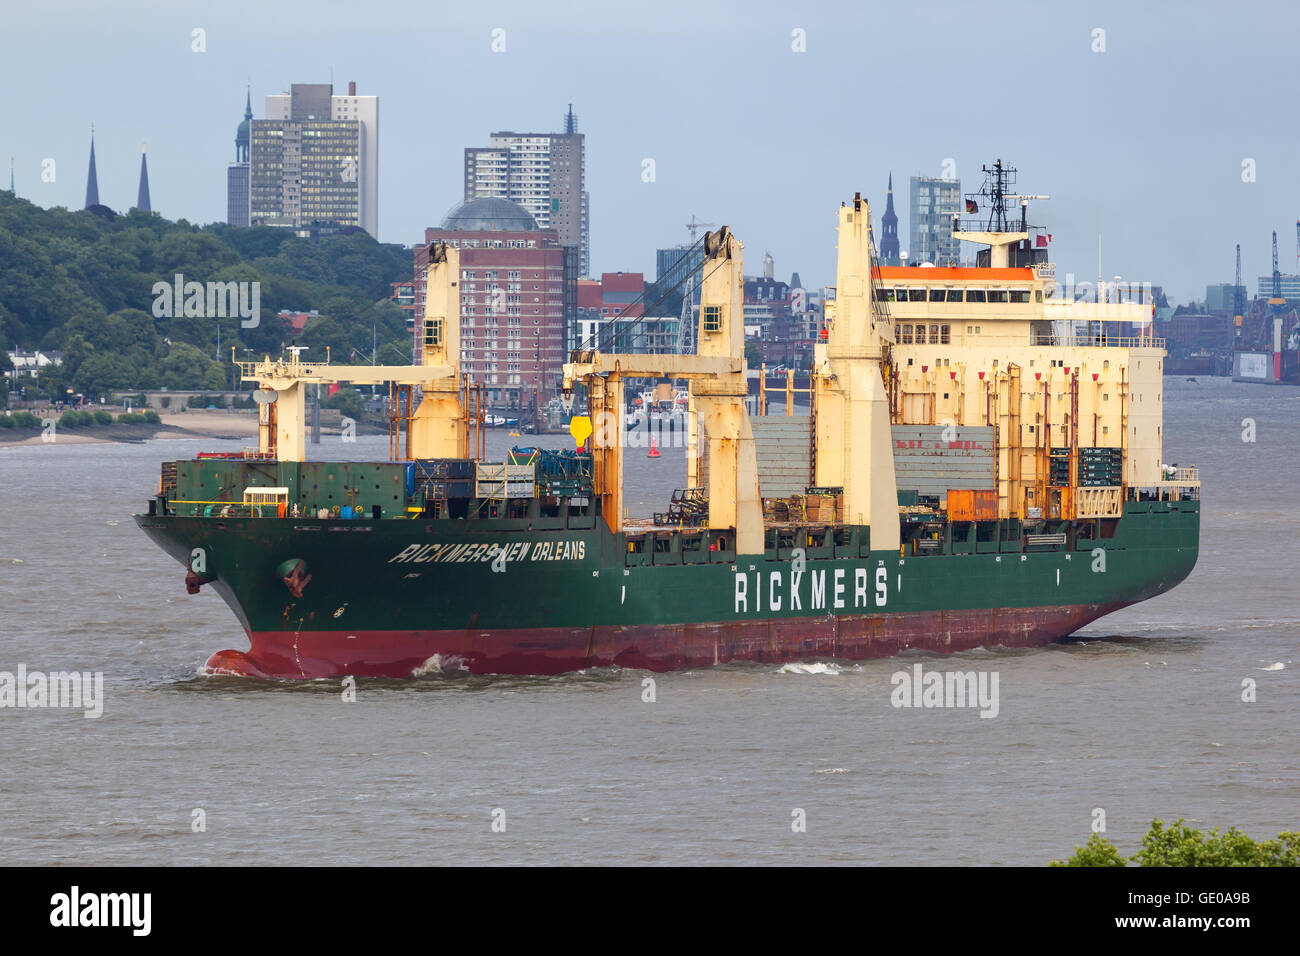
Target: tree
[
  {"x": 348, "y": 401},
  {"x": 1180, "y": 845},
  {"x": 753, "y": 354},
  {"x": 1098, "y": 851},
  {"x": 184, "y": 367},
  {"x": 105, "y": 372}
]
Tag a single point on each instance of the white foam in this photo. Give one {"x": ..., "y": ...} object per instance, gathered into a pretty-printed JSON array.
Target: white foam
[
  {"x": 1276, "y": 666},
  {"x": 817, "y": 668},
  {"x": 437, "y": 664}
]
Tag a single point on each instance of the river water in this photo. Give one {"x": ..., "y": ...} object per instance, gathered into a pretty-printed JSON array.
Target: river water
[{"x": 1141, "y": 716}]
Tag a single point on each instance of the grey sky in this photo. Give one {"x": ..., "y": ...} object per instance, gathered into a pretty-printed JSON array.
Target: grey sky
[{"x": 1144, "y": 142}]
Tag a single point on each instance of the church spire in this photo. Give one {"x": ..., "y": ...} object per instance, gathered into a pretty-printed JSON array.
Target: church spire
[
  {"x": 92, "y": 181},
  {"x": 889, "y": 229},
  {"x": 243, "y": 134},
  {"x": 142, "y": 198}
]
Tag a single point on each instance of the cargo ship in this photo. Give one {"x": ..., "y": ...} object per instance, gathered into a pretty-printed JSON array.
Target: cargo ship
[{"x": 981, "y": 465}]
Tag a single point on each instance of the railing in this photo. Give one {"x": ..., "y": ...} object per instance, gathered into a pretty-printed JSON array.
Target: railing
[
  {"x": 1010, "y": 225},
  {"x": 1183, "y": 476},
  {"x": 1098, "y": 341},
  {"x": 227, "y": 509}
]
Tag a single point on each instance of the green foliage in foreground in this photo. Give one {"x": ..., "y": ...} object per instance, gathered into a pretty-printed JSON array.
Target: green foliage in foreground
[{"x": 1181, "y": 845}]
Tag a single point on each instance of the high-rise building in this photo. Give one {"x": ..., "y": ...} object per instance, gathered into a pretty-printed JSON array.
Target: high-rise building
[
  {"x": 889, "y": 252},
  {"x": 934, "y": 202},
  {"x": 673, "y": 264},
  {"x": 546, "y": 173},
  {"x": 237, "y": 172},
  {"x": 314, "y": 160},
  {"x": 512, "y": 299},
  {"x": 1290, "y": 287}
]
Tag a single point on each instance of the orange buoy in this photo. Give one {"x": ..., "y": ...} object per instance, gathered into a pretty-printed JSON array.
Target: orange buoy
[{"x": 654, "y": 449}]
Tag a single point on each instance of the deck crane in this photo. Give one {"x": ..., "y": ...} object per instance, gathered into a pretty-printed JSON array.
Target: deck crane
[
  {"x": 437, "y": 428},
  {"x": 686, "y": 321},
  {"x": 718, "y": 389}
]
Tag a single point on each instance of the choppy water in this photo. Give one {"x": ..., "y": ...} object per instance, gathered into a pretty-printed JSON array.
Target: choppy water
[{"x": 1141, "y": 717}]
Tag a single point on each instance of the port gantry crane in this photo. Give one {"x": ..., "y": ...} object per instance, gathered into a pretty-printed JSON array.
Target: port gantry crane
[
  {"x": 716, "y": 373},
  {"x": 437, "y": 429},
  {"x": 1275, "y": 302},
  {"x": 1238, "y": 299}
]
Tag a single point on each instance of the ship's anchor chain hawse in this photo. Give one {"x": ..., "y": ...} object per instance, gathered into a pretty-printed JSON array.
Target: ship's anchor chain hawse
[
  {"x": 196, "y": 573},
  {"x": 194, "y": 581},
  {"x": 294, "y": 575}
]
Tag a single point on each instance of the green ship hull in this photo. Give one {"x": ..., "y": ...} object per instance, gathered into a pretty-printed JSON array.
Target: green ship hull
[{"x": 395, "y": 597}]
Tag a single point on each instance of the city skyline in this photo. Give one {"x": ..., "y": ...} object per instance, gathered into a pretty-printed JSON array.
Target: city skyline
[{"x": 1124, "y": 160}]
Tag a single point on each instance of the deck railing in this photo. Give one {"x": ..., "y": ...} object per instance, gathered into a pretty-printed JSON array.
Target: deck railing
[{"x": 1098, "y": 341}]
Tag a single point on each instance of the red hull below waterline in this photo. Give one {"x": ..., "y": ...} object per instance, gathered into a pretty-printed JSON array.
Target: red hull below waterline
[{"x": 295, "y": 655}]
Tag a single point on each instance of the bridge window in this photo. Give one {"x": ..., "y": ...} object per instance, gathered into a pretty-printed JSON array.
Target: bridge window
[
  {"x": 976, "y": 295},
  {"x": 1020, "y": 296},
  {"x": 938, "y": 295},
  {"x": 916, "y": 295},
  {"x": 997, "y": 295},
  {"x": 955, "y": 295}
]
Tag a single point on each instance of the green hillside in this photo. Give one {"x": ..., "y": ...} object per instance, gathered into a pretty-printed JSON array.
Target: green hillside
[{"x": 82, "y": 283}]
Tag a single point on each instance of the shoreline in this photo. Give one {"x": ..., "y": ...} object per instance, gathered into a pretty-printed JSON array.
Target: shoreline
[{"x": 217, "y": 426}]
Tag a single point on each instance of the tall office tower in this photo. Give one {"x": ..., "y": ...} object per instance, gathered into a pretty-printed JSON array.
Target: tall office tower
[
  {"x": 314, "y": 161},
  {"x": 672, "y": 266},
  {"x": 237, "y": 172},
  {"x": 934, "y": 202},
  {"x": 546, "y": 173}
]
